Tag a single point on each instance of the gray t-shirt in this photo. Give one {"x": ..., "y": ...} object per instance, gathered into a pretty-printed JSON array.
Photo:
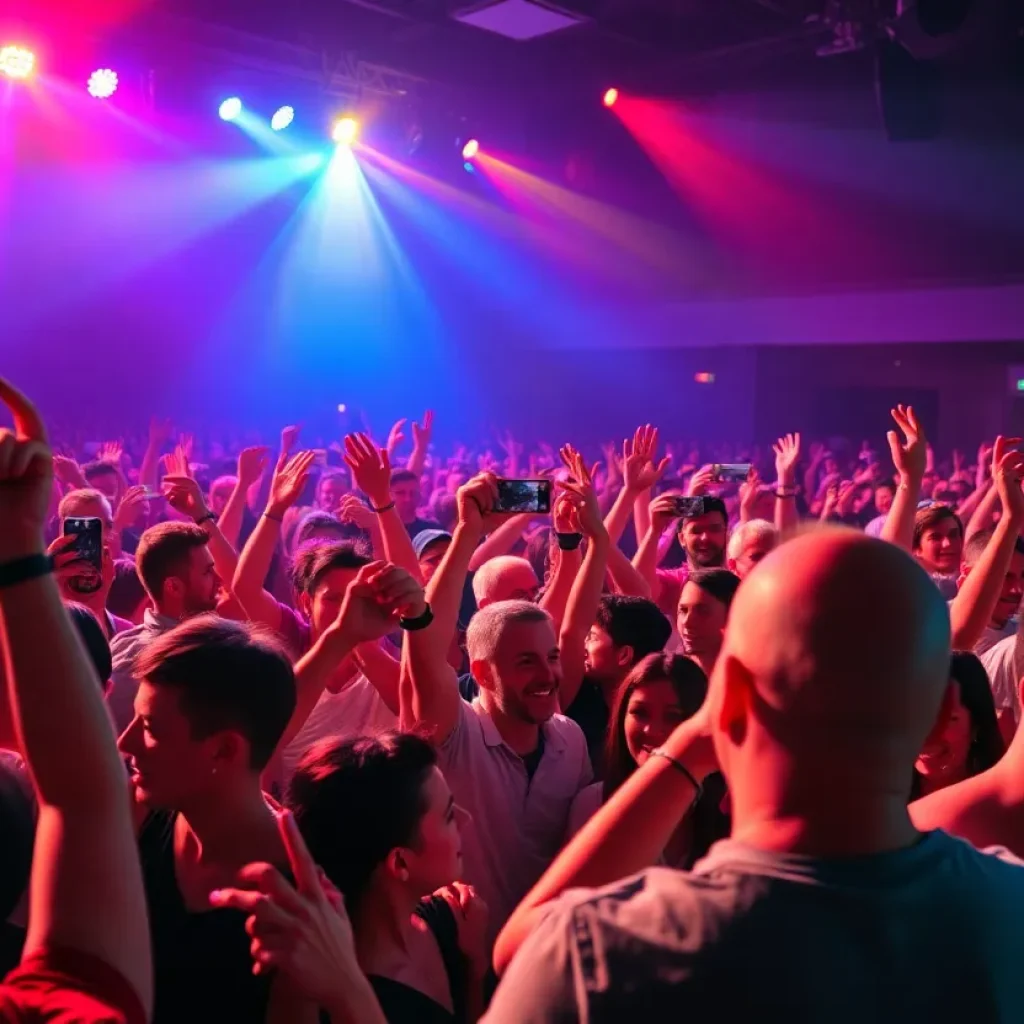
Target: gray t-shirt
[{"x": 932, "y": 933}]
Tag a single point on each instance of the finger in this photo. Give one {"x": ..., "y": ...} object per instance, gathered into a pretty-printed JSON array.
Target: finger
[
  {"x": 28, "y": 424},
  {"x": 301, "y": 860}
]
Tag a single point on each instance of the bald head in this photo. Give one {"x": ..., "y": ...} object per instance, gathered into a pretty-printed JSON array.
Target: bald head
[
  {"x": 844, "y": 642},
  {"x": 505, "y": 578}
]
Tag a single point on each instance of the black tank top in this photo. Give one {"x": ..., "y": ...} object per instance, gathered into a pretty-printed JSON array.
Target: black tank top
[
  {"x": 203, "y": 970},
  {"x": 404, "y": 1005}
]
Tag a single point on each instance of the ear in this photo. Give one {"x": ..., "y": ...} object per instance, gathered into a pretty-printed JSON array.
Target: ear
[
  {"x": 305, "y": 603},
  {"x": 964, "y": 570},
  {"x": 396, "y": 865},
  {"x": 626, "y": 656},
  {"x": 483, "y": 674},
  {"x": 230, "y": 748},
  {"x": 942, "y": 718},
  {"x": 173, "y": 587},
  {"x": 735, "y": 687},
  {"x": 730, "y": 564}
]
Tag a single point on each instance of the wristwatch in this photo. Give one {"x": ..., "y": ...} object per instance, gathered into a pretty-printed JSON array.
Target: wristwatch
[{"x": 424, "y": 619}]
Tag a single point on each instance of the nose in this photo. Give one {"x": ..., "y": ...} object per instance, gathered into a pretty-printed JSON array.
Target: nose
[{"x": 124, "y": 741}]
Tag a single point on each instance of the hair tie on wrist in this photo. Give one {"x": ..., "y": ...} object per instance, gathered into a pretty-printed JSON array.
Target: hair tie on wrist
[{"x": 384, "y": 508}]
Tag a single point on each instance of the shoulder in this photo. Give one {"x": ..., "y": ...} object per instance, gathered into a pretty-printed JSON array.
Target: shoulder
[
  {"x": 126, "y": 643},
  {"x": 564, "y": 730}
]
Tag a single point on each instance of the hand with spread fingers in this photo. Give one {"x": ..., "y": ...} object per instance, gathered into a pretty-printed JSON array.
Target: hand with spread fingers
[
  {"x": 296, "y": 929},
  {"x": 371, "y": 468},
  {"x": 909, "y": 455},
  {"x": 289, "y": 481},
  {"x": 581, "y": 491}
]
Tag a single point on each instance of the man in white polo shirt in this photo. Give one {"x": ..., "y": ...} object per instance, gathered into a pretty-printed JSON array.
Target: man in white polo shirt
[{"x": 511, "y": 760}]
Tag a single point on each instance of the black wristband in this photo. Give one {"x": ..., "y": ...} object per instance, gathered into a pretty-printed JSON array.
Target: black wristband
[
  {"x": 203, "y": 519},
  {"x": 23, "y": 569},
  {"x": 384, "y": 508},
  {"x": 420, "y": 622},
  {"x": 273, "y": 519},
  {"x": 569, "y": 541}
]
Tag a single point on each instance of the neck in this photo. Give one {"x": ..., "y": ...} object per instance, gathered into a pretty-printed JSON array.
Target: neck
[
  {"x": 169, "y": 611},
  {"x": 383, "y": 922},
  {"x": 521, "y": 736},
  {"x": 705, "y": 660},
  {"x": 821, "y": 817},
  {"x": 232, "y": 827}
]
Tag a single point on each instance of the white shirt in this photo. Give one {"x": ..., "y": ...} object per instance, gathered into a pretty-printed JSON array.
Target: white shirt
[
  {"x": 356, "y": 710},
  {"x": 1004, "y": 663}
]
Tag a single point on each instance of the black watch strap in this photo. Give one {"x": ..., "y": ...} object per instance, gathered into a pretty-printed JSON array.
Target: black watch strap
[
  {"x": 569, "y": 541},
  {"x": 23, "y": 569},
  {"x": 424, "y": 619}
]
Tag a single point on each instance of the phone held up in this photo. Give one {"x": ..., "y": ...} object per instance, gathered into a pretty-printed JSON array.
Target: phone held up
[
  {"x": 88, "y": 534},
  {"x": 524, "y": 496},
  {"x": 730, "y": 472}
]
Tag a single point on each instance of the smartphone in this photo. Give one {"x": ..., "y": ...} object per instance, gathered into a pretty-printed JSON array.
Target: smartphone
[
  {"x": 88, "y": 534},
  {"x": 524, "y": 496},
  {"x": 731, "y": 472},
  {"x": 687, "y": 508}
]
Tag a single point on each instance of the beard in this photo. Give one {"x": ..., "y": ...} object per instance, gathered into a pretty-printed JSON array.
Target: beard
[{"x": 86, "y": 585}]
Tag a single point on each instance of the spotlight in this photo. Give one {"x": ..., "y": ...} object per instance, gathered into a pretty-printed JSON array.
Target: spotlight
[
  {"x": 283, "y": 117},
  {"x": 610, "y": 97},
  {"x": 16, "y": 62},
  {"x": 102, "y": 84},
  {"x": 469, "y": 168},
  {"x": 230, "y": 109},
  {"x": 345, "y": 131},
  {"x": 470, "y": 149}
]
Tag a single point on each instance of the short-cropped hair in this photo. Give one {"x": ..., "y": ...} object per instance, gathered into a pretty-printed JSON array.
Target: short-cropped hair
[
  {"x": 164, "y": 551},
  {"x": 485, "y": 628},
  {"x": 634, "y": 622},
  {"x": 312, "y": 562},
  {"x": 229, "y": 676},
  {"x": 753, "y": 528},
  {"x": 719, "y": 583},
  {"x": 73, "y": 500}
]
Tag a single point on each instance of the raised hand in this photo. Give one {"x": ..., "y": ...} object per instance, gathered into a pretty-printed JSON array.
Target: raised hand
[
  {"x": 639, "y": 470},
  {"x": 909, "y": 456},
  {"x": 252, "y": 464},
  {"x": 371, "y": 468},
  {"x": 471, "y": 916},
  {"x": 1007, "y": 467},
  {"x": 134, "y": 502},
  {"x": 581, "y": 488},
  {"x": 564, "y": 515},
  {"x": 352, "y": 510},
  {"x": 379, "y": 596},
  {"x": 663, "y": 512},
  {"x": 289, "y": 481},
  {"x": 700, "y": 482},
  {"x": 178, "y": 462},
  {"x": 68, "y": 471},
  {"x": 290, "y": 438},
  {"x": 422, "y": 434},
  {"x": 750, "y": 489},
  {"x": 297, "y": 930},
  {"x": 26, "y": 477},
  {"x": 787, "y": 455},
  {"x": 476, "y": 500},
  {"x": 185, "y": 496},
  {"x": 396, "y": 437},
  {"x": 111, "y": 451}
]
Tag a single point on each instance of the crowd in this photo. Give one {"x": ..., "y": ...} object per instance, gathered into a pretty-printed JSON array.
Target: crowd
[{"x": 326, "y": 734}]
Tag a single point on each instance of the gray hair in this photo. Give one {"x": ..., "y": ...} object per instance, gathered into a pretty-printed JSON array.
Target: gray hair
[
  {"x": 752, "y": 529},
  {"x": 486, "y": 578},
  {"x": 486, "y": 627}
]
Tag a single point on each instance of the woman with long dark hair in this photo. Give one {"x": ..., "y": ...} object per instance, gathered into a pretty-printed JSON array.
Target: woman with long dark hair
[
  {"x": 381, "y": 822},
  {"x": 661, "y": 691},
  {"x": 968, "y": 741}
]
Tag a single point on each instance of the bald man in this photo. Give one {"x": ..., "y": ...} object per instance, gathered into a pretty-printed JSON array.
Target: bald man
[
  {"x": 986, "y": 810},
  {"x": 826, "y": 904}
]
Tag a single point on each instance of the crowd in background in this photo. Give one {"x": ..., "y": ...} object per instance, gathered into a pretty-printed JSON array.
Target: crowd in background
[{"x": 387, "y": 752}]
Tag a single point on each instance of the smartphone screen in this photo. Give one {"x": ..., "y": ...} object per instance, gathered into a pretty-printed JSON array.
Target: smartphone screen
[
  {"x": 687, "y": 507},
  {"x": 88, "y": 534},
  {"x": 731, "y": 472},
  {"x": 524, "y": 496}
]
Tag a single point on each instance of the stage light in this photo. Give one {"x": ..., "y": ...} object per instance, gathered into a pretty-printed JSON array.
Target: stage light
[
  {"x": 230, "y": 109},
  {"x": 342, "y": 408},
  {"x": 102, "y": 84},
  {"x": 17, "y": 62},
  {"x": 470, "y": 149},
  {"x": 610, "y": 97},
  {"x": 345, "y": 131},
  {"x": 469, "y": 168},
  {"x": 704, "y": 377},
  {"x": 283, "y": 117}
]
